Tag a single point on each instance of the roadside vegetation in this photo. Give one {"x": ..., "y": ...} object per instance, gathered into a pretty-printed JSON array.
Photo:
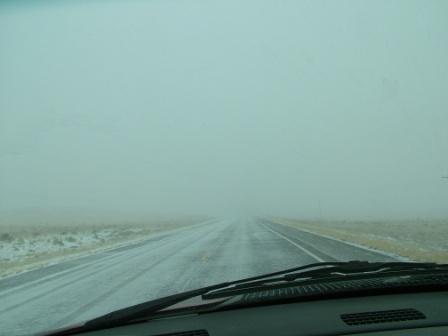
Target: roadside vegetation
[
  {"x": 417, "y": 240},
  {"x": 28, "y": 246}
]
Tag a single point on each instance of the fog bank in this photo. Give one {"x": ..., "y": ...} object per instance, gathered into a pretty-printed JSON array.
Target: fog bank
[{"x": 133, "y": 109}]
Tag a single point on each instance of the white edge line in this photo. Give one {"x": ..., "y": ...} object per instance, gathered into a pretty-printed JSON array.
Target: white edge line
[
  {"x": 391, "y": 255},
  {"x": 297, "y": 245}
]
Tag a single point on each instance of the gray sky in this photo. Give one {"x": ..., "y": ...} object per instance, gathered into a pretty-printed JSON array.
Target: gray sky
[{"x": 295, "y": 108}]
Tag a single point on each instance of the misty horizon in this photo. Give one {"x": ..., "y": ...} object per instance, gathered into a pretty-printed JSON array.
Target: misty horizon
[{"x": 131, "y": 109}]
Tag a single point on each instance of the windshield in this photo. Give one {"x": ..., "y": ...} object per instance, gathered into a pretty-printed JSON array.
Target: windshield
[{"x": 152, "y": 147}]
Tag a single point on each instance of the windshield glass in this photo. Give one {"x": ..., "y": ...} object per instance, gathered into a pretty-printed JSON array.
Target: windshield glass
[{"x": 152, "y": 147}]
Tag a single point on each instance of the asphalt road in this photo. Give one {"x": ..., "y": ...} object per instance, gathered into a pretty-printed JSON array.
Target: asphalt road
[{"x": 164, "y": 264}]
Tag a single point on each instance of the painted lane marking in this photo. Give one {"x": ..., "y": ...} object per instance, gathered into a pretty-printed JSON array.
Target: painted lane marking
[{"x": 297, "y": 245}]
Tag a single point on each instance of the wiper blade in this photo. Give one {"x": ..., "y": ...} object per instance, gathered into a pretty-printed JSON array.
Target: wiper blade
[
  {"x": 133, "y": 313},
  {"x": 146, "y": 309},
  {"x": 323, "y": 270},
  {"x": 226, "y": 289}
]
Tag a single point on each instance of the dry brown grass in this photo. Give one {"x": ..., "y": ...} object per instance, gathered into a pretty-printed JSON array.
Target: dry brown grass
[
  {"x": 416, "y": 240},
  {"x": 35, "y": 229}
]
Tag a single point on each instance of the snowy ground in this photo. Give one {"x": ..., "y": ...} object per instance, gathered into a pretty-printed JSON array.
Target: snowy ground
[
  {"x": 24, "y": 248},
  {"x": 17, "y": 249}
]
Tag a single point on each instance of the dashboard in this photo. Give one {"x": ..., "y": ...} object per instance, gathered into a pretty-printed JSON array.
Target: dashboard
[{"x": 415, "y": 314}]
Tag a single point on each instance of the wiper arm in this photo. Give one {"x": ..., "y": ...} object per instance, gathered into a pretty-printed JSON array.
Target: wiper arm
[
  {"x": 274, "y": 276},
  {"x": 317, "y": 270},
  {"x": 359, "y": 267}
]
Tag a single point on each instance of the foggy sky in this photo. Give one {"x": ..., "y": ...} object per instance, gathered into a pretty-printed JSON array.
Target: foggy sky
[{"x": 332, "y": 109}]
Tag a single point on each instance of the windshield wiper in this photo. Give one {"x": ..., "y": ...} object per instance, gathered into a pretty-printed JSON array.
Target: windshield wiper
[
  {"x": 133, "y": 313},
  {"x": 227, "y": 289},
  {"x": 145, "y": 309},
  {"x": 325, "y": 270}
]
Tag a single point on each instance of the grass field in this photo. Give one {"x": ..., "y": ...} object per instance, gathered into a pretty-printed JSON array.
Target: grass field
[
  {"x": 418, "y": 240},
  {"x": 29, "y": 246}
]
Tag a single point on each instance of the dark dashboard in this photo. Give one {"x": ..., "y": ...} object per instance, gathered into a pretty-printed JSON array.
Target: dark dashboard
[{"x": 421, "y": 314}]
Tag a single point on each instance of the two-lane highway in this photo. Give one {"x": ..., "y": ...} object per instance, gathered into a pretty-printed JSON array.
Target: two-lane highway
[{"x": 165, "y": 264}]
